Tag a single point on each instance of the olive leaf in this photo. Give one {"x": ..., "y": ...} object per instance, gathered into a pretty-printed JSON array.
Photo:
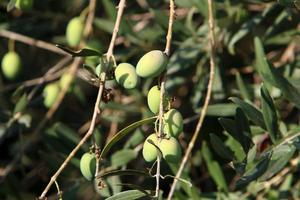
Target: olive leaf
[
  {"x": 269, "y": 114},
  {"x": 125, "y": 131},
  {"x": 81, "y": 53}
]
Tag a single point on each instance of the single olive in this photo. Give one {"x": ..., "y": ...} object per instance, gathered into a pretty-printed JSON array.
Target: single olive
[
  {"x": 11, "y": 65},
  {"x": 24, "y": 4},
  {"x": 74, "y": 31},
  {"x": 149, "y": 151},
  {"x": 171, "y": 150},
  {"x": 151, "y": 64},
  {"x": 173, "y": 123},
  {"x": 126, "y": 76},
  {"x": 153, "y": 99},
  {"x": 50, "y": 94},
  {"x": 88, "y": 165}
]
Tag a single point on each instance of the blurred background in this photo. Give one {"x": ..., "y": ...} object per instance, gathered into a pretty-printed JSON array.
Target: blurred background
[{"x": 29, "y": 157}]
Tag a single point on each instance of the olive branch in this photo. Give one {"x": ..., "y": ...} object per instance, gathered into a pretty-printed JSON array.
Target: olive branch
[{"x": 96, "y": 112}]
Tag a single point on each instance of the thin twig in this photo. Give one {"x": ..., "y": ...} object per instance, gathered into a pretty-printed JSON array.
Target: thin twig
[
  {"x": 96, "y": 108},
  {"x": 162, "y": 92},
  {"x": 31, "y": 41},
  {"x": 207, "y": 99}
]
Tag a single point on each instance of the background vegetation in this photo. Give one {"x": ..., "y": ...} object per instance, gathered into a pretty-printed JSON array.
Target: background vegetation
[{"x": 249, "y": 142}]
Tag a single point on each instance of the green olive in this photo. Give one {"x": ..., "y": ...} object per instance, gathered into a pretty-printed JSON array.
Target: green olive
[
  {"x": 50, "y": 94},
  {"x": 126, "y": 76},
  {"x": 74, "y": 31},
  {"x": 171, "y": 150},
  {"x": 151, "y": 64},
  {"x": 11, "y": 65},
  {"x": 149, "y": 151},
  {"x": 65, "y": 78},
  {"x": 153, "y": 99},
  {"x": 173, "y": 123},
  {"x": 88, "y": 165},
  {"x": 24, "y": 4}
]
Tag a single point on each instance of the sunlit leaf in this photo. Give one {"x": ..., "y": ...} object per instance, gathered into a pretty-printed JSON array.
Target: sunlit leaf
[
  {"x": 269, "y": 114},
  {"x": 125, "y": 131}
]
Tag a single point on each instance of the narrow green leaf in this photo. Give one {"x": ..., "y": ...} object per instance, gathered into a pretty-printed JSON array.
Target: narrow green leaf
[
  {"x": 110, "y": 9},
  {"x": 21, "y": 104},
  {"x": 103, "y": 24},
  {"x": 269, "y": 114},
  {"x": 255, "y": 172},
  {"x": 128, "y": 195},
  {"x": 124, "y": 132},
  {"x": 230, "y": 127},
  {"x": 81, "y": 53},
  {"x": 122, "y": 157},
  {"x": 125, "y": 172},
  {"x": 220, "y": 110},
  {"x": 242, "y": 87},
  {"x": 243, "y": 130},
  {"x": 251, "y": 112},
  {"x": 280, "y": 157},
  {"x": 235, "y": 147},
  {"x": 214, "y": 168},
  {"x": 272, "y": 76},
  {"x": 221, "y": 148}
]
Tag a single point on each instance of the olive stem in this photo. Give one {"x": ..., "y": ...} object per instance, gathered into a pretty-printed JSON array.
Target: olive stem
[
  {"x": 31, "y": 41},
  {"x": 99, "y": 95},
  {"x": 162, "y": 93},
  {"x": 207, "y": 98}
]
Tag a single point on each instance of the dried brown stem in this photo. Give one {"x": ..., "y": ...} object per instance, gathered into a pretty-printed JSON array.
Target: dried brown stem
[
  {"x": 207, "y": 99},
  {"x": 31, "y": 41}
]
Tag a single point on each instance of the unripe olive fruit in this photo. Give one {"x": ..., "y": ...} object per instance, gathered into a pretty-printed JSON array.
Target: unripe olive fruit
[
  {"x": 151, "y": 64},
  {"x": 50, "y": 94},
  {"x": 88, "y": 165},
  {"x": 65, "y": 78},
  {"x": 153, "y": 99},
  {"x": 74, "y": 31},
  {"x": 149, "y": 151},
  {"x": 11, "y": 65},
  {"x": 171, "y": 150},
  {"x": 126, "y": 76},
  {"x": 24, "y": 4},
  {"x": 173, "y": 123}
]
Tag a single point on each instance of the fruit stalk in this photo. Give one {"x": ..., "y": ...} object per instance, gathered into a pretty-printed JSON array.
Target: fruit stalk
[
  {"x": 162, "y": 90},
  {"x": 207, "y": 98}
]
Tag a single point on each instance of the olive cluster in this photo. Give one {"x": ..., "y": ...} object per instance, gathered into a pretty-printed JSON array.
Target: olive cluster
[{"x": 151, "y": 65}]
